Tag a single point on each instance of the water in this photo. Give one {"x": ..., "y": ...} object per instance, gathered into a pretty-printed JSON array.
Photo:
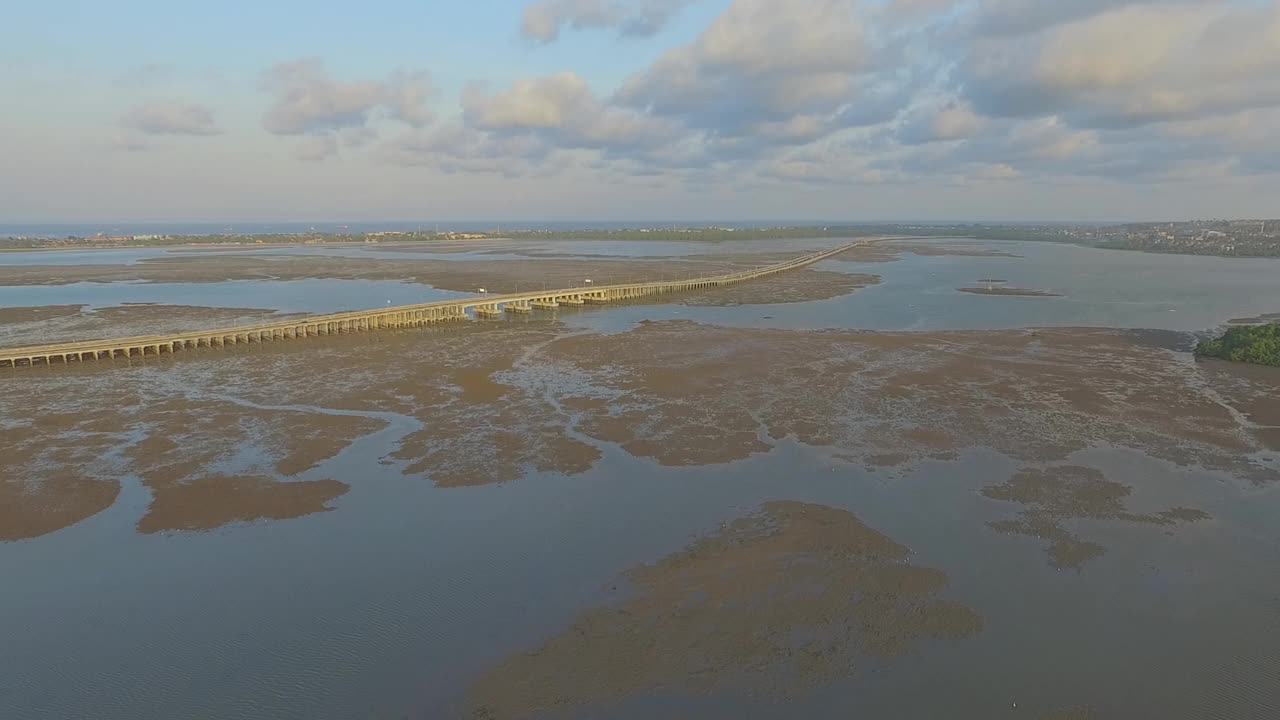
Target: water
[
  {"x": 387, "y": 607},
  {"x": 1098, "y": 288},
  {"x": 59, "y": 230},
  {"x": 484, "y": 250},
  {"x": 132, "y": 256},
  {"x": 309, "y": 296},
  {"x": 391, "y": 605}
]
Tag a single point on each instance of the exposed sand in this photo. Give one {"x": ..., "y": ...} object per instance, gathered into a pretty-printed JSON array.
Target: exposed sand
[
  {"x": 484, "y": 246},
  {"x": 460, "y": 275},
  {"x": 892, "y": 250},
  {"x": 477, "y": 427},
  {"x": 775, "y": 605},
  {"x": 53, "y": 451},
  {"x": 481, "y": 430},
  {"x": 37, "y": 314},
  {"x": 955, "y": 248},
  {"x": 795, "y": 286},
  {"x": 30, "y": 507},
  {"x": 1079, "y": 712},
  {"x": 683, "y": 394},
  {"x": 70, "y": 435},
  {"x": 881, "y": 252},
  {"x": 1254, "y": 390},
  {"x": 498, "y": 399},
  {"x": 76, "y": 323},
  {"x": 1053, "y": 495},
  {"x": 211, "y": 502},
  {"x": 1018, "y": 292},
  {"x": 1257, "y": 320},
  {"x": 212, "y": 462},
  {"x": 688, "y": 394}
]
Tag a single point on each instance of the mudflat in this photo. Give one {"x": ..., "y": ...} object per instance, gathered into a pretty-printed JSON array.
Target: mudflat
[
  {"x": 495, "y": 399},
  {"x": 775, "y": 605},
  {"x": 1057, "y": 493},
  {"x": 459, "y": 275},
  {"x": 1007, "y": 291},
  {"x": 789, "y": 598},
  {"x": 11, "y": 315},
  {"x": 790, "y": 287},
  {"x": 73, "y": 323}
]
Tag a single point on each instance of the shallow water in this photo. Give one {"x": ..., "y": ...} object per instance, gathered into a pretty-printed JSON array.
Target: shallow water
[
  {"x": 484, "y": 250},
  {"x": 391, "y": 605},
  {"x": 388, "y": 606},
  {"x": 1098, "y": 288},
  {"x": 309, "y": 296}
]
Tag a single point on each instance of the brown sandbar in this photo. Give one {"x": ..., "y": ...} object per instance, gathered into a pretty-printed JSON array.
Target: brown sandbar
[
  {"x": 775, "y": 605},
  {"x": 796, "y": 286},
  {"x": 1007, "y": 291},
  {"x": 1051, "y": 496}
]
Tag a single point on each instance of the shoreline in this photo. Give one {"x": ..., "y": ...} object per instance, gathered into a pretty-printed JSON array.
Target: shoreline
[{"x": 201, "y": 246}]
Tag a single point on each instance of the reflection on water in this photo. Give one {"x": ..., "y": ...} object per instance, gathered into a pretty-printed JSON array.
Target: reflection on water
[
  {"x": 1054, "y": 495},
  {"x": 1098, "y": 288},
  {"x": 477, "y": 250},
  {"x": 309, "y": 296},
  {"x": 777, "y": 604}
]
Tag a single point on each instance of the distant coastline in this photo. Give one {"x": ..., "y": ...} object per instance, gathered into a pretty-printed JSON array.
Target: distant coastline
[{"x": 1221, "y": 238}]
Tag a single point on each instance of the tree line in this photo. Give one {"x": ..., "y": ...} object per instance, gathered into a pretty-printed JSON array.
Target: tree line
[{"x": 1257, "y": 344}]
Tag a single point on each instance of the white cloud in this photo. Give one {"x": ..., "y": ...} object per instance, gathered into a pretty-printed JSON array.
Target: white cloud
[
  {"x": 407, "y": 94},
  {"x": 760, "y": 63},
  {"x": 563, "y": 108},
  {"x": 997, "y": 171},
  {"x": 130, "y": 141},
  {"x": 544, "y": 20},
  {"x": 1050, "y": 139},
  {"x": 308, "y": 100},
  {"x": 1135, "y": 64},
  {"x": 950, "y": 120},
  {"x": 456, "y": 148},
  {"x": 833, "y": 92},
  {"x": 317, "y": 148},
  {"x": 171, "y": 117}
]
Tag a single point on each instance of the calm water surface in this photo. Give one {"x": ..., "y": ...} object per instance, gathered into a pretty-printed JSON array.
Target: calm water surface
[
  {"x": 1097, "y": 288},
  {"x": 309, "y": 296},
  {"x": 389, "y": 606},
  {"x": 392, "y": 251}
]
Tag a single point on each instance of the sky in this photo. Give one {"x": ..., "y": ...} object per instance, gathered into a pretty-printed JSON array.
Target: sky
[{"x": 697, "y": 110}]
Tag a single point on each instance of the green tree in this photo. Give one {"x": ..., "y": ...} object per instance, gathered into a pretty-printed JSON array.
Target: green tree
[{"x": 1258, "y": 344}]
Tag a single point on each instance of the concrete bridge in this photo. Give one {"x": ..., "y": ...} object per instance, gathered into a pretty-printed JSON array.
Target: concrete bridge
[{"x": 393, "y": 317}]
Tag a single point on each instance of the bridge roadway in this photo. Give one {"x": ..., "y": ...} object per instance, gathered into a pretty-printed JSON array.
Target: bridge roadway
[{"x": 393, "y": 317}]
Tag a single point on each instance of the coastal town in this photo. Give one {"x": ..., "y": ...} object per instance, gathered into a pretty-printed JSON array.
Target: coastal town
[{"x": 1240, "y": 238}]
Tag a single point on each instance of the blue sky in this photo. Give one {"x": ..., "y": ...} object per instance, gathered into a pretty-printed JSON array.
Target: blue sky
[{"x": 639, "y": 109}]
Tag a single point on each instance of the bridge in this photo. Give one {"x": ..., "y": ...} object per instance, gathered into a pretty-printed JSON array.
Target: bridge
[{"x": 404, "y": 316}]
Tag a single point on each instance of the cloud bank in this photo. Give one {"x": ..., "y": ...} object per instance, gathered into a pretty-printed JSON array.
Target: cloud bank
[
  {"x": 171, "y": 117},
  {"x": 544, "y": 20},
  {"x": 308, "y": 101},
  {"x": 827, "y": 92}
]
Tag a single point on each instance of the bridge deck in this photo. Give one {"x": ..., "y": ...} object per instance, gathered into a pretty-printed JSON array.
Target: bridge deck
[{"x": 391, "y": 317}]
